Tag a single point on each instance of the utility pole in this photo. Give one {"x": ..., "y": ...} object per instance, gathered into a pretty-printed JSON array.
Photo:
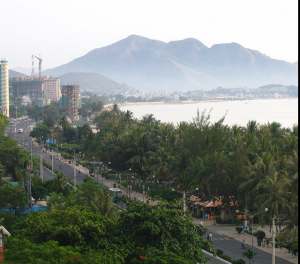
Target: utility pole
[
  {"x": 16, "y": 111},
  {"x": 31, "y": 165},
  {"x": 29, "y": 187},
  {"x": 41, "y": 162},
  {"x": 184, "y": 208},
  {"x": 74, "y": 169},
  {"x": 246, "y": 212},
  {"x": 273, "y": 239},
  {"x": 52, "y": 156}
]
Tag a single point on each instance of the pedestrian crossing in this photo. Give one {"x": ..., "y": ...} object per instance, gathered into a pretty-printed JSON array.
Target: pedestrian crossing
[
  {"x": 221, "y": 239},
  {"x": 225, "y": 238}
]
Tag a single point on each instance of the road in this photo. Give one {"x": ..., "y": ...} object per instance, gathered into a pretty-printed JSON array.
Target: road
[
  {"x": 234, "y": 249},
  {"x": 58, "y": 164}
]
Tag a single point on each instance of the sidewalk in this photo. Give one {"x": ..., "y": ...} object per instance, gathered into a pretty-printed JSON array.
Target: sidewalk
[
  {"x": 229, "y": 231},
  {"x": 130, "y": 194}
]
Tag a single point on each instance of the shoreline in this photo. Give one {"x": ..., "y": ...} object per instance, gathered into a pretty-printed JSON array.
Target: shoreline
[{"x": 194, "y": 102}]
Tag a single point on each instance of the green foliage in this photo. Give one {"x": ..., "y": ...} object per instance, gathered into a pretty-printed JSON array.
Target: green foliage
[
  {"x": 41, "y": 132},
  {"x": 38, "y": 189},
  {"x": 239, "y": 229},
  {"x": 12, "y": 197},
  {"x": 13, "y": 158},
  {"x": 3, "y": 124},
  {"x": 219, "y": 252},
  {"x": 142, "y": 234},
  {"x": 25, "y": 252},
  {"x": 165, "y": 194},
  {"x": 10, "y": 219},
  {"x": 239, "y": 261},
  {"x": 249, "y": 254},
  {"x": 236, "y": 221},
  {"x": 260, "y": 234},
  {"x": 225, "y": 257}
]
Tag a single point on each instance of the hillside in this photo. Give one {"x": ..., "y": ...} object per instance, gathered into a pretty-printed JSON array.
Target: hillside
[
  {"x": 152, "y": 65},
  {"x": 93, "y": 82},
  {"x": 13, "y": 73}
]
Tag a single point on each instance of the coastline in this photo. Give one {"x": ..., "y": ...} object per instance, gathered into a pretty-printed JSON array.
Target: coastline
[
  {"x": 197, "y": 102},
  {"x": 171, "y": 103}
]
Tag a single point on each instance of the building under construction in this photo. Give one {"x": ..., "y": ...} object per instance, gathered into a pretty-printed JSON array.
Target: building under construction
[
  {"x": 71, "y": 101},
  {"x": 41, "y": 90}
]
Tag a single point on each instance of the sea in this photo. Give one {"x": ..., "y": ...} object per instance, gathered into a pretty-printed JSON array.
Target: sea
[{"x": 283, "y": 111}]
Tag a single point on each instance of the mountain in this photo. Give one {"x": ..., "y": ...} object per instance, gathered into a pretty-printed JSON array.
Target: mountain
[
  {"x": 24, "y": 71},
  {"x": 94, "y": 82},
  {"x": 13, "y": 73},
  {"x": 152, "y": 65}
]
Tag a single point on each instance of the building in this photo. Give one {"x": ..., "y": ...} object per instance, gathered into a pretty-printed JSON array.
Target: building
[
  {"x": 52, "y": 88},
  {"x": 40, "y": 90},
  {"x": 4, "y": 87},
  {"x": 71, "y": 101}
]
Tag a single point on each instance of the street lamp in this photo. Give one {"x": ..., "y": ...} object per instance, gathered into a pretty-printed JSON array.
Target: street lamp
[
  {"x": 252, "y": 217},
  {"x": 183, "y": 195}
]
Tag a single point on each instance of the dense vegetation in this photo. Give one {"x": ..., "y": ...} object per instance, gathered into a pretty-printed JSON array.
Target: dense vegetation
[
  {"x": 85, "y": 226},
  {"x": 258, "y": 163}
]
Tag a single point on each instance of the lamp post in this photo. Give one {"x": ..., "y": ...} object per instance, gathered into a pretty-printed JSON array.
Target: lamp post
[
  {"x": 252, "y": 217},
  {"x": 184, "y": 193},
  {"x": 41, "y": 158},
  {"x": 120, "y": 173},
  {"x": 16, "y": 111}
]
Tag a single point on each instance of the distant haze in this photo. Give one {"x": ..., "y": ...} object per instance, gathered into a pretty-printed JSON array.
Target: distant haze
[{"x": 153, "y": 65}]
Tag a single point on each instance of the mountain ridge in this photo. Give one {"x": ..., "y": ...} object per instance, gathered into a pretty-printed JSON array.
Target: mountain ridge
[{"x": 152, "y": 65}]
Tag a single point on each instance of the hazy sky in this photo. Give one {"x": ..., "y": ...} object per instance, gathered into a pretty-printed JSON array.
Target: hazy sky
[{"x": 62, "y": 30}]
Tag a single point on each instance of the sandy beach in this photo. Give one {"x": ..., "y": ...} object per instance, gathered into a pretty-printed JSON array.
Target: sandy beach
[{"x": 157, "y": 103}]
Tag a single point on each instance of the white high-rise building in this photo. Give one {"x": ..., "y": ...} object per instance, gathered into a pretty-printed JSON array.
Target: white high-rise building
[{"x": 4, "y": 87}]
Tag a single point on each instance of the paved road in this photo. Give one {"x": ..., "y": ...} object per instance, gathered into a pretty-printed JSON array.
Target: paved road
[
  {"x": 234, "y": 249},
  {"x": 59, "y": 165}
]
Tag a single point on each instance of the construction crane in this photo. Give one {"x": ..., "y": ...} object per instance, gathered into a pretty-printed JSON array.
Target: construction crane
[
  {"x": 40, "y": 66},
  {"x": 32, "y": 71}
]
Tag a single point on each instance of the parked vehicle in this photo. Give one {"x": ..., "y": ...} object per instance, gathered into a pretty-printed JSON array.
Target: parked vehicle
[
  {"x": 21, "y": 130},
  {"x": 117, "y": 193}
]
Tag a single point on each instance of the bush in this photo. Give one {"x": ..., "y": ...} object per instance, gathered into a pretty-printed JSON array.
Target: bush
[
  {"x": 294, "y": 247},
  {"x": 225, "y": 257},
  {"x": 165, "y": 194},
  {"x": 239, "y": 261},
  {"x": 237, "y": 221},
  {"x": 239, "y": 229},
  {"x": 259, "y": 234},
  {"x": 219, "y": 220},
  {"x": 219, "y": 252}
]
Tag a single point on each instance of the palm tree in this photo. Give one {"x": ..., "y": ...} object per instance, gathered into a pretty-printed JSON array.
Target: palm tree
[
  {"x": 276, "y": 197},
  {"x": 63, "y": 123},
  {"x": 252, "y": 126},
  {"x": 57, "y": 202},
  {"x": 88, "y": 142},
  {"x": 249, "y": 254},
  {"x": 162, "y": 160},
  {"x": 141, "y": 152},
  {"x": 103, "y": 204}
]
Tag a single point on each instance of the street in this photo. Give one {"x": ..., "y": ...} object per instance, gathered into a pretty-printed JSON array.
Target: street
[
  {"x": 66, "y": 169},
  {"x": 233, "y": 248}
]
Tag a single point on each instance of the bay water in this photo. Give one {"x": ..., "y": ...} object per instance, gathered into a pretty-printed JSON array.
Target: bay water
[{"x": 283, "y": 111}]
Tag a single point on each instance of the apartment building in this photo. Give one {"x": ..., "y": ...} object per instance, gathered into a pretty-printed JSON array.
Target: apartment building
[{"x": 4, "y": 87}]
